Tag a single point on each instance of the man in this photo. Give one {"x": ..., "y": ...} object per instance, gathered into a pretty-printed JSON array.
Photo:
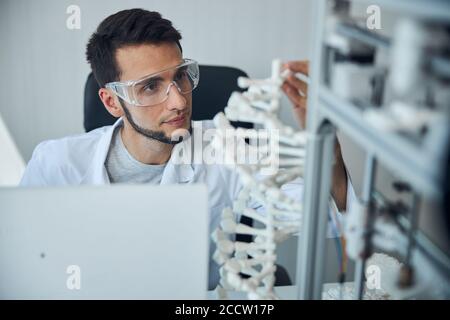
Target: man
[{"x": 136, "y": 57}]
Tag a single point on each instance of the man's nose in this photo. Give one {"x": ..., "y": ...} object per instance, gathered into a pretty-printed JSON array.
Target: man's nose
[{"x": 175, "y": 101}]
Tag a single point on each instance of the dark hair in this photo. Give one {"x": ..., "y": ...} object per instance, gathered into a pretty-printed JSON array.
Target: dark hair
[{"x": 127, "y": 27}]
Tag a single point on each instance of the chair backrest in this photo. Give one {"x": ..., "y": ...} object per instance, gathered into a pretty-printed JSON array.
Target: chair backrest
[{"x": 210, "y": 97}]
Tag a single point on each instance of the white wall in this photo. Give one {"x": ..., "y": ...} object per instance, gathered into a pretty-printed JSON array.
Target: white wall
[{"x": 43, "y": 67}]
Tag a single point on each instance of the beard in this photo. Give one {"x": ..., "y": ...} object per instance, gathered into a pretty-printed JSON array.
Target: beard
[{"x": 152, "y": 134}]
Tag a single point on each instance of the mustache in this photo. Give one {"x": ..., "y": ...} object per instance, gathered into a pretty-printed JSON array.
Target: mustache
[{"x": 173, "y": 116}]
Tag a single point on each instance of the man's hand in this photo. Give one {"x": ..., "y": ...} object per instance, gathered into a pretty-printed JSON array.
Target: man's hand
[
  {"x": 297, "y": 92},
  {"x": 296, "y": 89}
]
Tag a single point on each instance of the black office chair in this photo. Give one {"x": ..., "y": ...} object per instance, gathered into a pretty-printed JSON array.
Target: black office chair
[{"x": 210, "y": 97}]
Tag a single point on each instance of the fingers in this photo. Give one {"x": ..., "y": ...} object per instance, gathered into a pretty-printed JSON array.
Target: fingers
[
  {"x": 296, "y": 89},
  {"x": 301, "y": 66},
  {"x": 298, "y": 102},
  {"x": 297, "y": 83},
  {"x": 293, "y": 87},
  {"x": 293, "y": 95}
]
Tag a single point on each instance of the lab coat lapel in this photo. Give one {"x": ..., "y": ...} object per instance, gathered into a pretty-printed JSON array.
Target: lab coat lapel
[{"x": 96, "y": 173}]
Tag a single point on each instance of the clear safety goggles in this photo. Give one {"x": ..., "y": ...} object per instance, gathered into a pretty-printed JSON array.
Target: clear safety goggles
[{"x": 154, "y": 88}]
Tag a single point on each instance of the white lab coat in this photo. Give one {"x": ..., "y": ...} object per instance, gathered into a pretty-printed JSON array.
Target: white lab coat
[{"x": 80, "y": 159}]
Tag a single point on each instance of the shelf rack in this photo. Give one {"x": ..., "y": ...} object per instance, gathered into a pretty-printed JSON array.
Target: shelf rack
[{"x": 404, "y": 156}]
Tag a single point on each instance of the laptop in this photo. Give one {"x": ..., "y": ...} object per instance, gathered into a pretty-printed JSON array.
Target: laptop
[{"x": 104, "y": 242}]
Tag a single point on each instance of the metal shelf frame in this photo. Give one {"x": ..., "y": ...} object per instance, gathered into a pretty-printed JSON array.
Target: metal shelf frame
[
  {"x": 399, "y": 154},
  {"x": 328, "y": 113}
]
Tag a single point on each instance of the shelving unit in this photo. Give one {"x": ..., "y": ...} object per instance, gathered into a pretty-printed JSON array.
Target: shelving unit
[{"x": 401, "y": 154}]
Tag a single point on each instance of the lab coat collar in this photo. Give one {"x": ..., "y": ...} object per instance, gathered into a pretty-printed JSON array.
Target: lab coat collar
[{"x": 173, "y": 173}]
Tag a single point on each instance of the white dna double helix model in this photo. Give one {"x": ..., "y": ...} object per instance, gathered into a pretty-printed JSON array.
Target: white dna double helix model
[{"x": 279, "y": 215}]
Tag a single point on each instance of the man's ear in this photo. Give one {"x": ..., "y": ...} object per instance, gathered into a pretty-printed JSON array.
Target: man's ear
[{"x": 111, "y": 102}]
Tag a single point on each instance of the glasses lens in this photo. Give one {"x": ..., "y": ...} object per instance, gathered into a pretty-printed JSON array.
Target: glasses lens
[
  {"x": 187, "y": 77},
  {"x": 153, "y": 90},
  {"x": 150, "y": 91}
]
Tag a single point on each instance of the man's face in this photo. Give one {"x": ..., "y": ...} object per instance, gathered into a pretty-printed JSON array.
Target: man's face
[{"x": 161, "y": 120}]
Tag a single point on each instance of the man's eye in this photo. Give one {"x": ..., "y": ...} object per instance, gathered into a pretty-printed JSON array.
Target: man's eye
[
  {"x": 151, "y": 86},
  {"x": 181, "y": 75}
]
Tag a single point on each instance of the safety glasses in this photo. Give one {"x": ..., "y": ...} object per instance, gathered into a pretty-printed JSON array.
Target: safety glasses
[{"x": 154, "y": 88}]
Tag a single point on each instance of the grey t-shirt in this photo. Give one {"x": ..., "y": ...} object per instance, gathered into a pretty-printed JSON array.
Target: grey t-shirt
[{"x": 123, "y": 168}]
